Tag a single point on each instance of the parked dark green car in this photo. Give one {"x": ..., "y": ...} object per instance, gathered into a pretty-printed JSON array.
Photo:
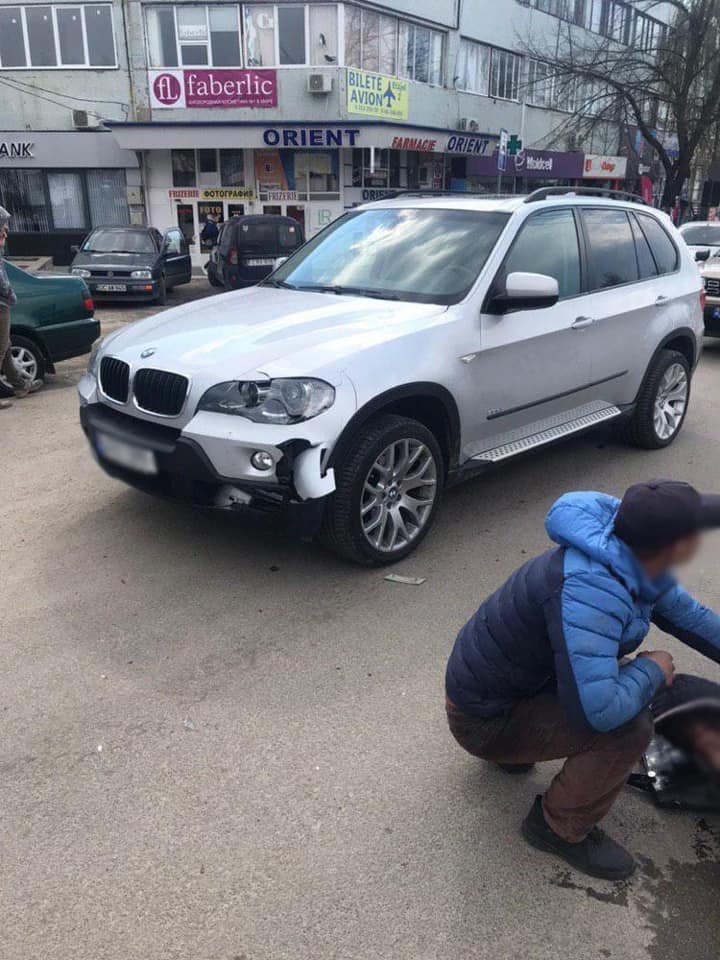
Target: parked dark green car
[{"x": 52, "y": 321}]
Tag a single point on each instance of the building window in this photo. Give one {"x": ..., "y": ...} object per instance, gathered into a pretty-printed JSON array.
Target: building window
[
  {"x": 388, "y": 45},
  {"x": 193, "y": 36},
  {"x": 615, "y": 19},
  {"x": 42, "y": 201},
  {"x": 505, "y": 75},
  {"x": 298, "y": 35},
  {"x": 386, "y": 172},
  {"x": 474, "y": 67},
  {"x": 57, "y": 36},
  {"x": 183, "y": 168}
]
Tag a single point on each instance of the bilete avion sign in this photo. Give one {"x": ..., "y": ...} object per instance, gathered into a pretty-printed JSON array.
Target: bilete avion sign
[{"x": 212, "y": 88}]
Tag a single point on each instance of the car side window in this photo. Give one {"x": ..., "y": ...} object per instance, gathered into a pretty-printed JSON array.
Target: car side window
[
  {"x": 611, "y": 248},
  {"x": 664, "y": 250},
  {"x": 547, "y": 243},
  {"x": 646, "y": 263},
  {"x": 288, "y": 236},
  {"x": 173, "y": 241}
]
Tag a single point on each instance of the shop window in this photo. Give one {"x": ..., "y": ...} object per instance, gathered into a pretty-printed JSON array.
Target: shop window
[
  {"x": 183, "y": 168},
  {"x": 67, "y": 203},
  {"x": 23, "y": 192},
  {"x": 41, "y": 36},
  {"x": 207, "y": 161},
  {"x": 57, "y": 36},
  {"x": 232, "y": 168},
  {"x": 107, "y": 198},
  {"x": 474, "y": 67},
  {"x": 193, "y": 36},
  {"x": 387, "y": 172}
]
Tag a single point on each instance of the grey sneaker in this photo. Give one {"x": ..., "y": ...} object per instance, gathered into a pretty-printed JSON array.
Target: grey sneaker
[{"x": 32, "y": 386}]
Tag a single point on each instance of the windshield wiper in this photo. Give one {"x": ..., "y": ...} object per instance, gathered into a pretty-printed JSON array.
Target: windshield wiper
[
  {"x": 350, "y": 291},
  {"x": 278, "y": 283}
]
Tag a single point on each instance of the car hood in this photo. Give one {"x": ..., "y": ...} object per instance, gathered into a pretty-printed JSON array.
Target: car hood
[
  {"x": 265, "y": 331},
  {"x": 113, "y": 259}
]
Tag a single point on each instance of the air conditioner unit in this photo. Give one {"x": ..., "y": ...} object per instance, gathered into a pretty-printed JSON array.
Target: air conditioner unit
[
  {"x": 467, "y": 123},
  {"x": 319, "y": 83},
  {"x": 81, "y": 119}
]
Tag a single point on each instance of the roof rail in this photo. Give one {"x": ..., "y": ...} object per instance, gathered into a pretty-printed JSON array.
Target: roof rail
[
  {"x": 544, "y": 192},
  {"x": 477, "y": 194}
]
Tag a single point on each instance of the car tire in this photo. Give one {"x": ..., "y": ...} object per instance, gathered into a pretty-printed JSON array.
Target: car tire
[
  {"x": 661, "y": 404},
  {"x": 366, "y": 515},
  {"x": 32, "y": 359},
  {"x": 161, "y": 298},
  {"x": 212, "y": 276}
]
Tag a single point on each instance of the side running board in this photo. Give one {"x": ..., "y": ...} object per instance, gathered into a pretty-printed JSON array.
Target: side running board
[{"x": 546, "y": 431}]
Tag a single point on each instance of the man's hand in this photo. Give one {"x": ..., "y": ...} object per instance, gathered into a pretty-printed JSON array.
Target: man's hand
[{"x": 665, "y": 661}]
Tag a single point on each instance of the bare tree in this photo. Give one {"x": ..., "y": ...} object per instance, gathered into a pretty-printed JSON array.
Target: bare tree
[{"x": 665, "y": 82}]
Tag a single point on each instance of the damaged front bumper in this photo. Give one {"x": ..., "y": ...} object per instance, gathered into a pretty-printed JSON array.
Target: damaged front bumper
[{"x": 207, "y": 465}]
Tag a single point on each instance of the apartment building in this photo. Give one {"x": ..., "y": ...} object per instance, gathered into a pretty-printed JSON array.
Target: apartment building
[{"x": 132, "y": 111}]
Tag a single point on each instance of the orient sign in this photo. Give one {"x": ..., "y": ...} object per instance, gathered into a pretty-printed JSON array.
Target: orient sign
[
  {"x": 16, "y": 149},
  {"x": 212, "y": 88}
]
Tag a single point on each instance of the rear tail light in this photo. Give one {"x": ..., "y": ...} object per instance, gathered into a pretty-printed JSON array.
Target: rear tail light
[
  {"x": 233, "y": 258},
  {"x": 88, "y": 304},
  {"x": 703, "y": 299}
]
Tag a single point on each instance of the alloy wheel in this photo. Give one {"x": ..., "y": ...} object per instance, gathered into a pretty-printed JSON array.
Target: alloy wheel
[
  {"x": 26, "y": 363},
  {"x": 398, "y": 495},
  {"x": 671, "y": 401}
]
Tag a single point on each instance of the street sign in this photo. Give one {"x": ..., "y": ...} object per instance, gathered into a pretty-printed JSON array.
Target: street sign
[
  {"x": 503, "y": 151},
  {"x": 514, "y": 146}
]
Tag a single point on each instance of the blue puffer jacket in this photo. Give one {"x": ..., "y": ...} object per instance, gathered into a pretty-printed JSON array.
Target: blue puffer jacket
[{"x": 567, "y": 618}]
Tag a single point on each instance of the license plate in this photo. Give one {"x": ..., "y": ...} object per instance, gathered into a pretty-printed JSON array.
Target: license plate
[
  {"x": 112, "y": 287},
  {"x": 126, "y": 454},
  {"x": 260, "y": 262}
]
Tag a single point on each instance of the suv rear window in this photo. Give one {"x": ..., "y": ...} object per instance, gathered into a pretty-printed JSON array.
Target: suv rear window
[
  {"x": 611, "y": 248},
  {"x": 664, "y": 250}
]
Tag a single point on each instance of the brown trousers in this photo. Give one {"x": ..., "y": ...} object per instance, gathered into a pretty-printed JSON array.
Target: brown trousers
[
  {"x": 7, "y": 366},
  {"x": 597, "y": 764}
]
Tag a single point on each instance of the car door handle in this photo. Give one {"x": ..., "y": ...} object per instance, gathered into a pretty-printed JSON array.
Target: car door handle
[
  {"x": 581, "y": 322},
  {"x": 659, "y": 301}
]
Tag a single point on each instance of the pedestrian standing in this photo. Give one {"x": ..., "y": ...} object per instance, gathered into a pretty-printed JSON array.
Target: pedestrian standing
[{"x": 20, "y": 384}]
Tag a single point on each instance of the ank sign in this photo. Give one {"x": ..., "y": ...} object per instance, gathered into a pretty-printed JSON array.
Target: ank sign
[{"x": 16, "y": 149}]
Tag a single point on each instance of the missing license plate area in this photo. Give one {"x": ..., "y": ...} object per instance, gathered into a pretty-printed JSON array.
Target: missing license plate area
[
  {"x": 259, "y": 262},
  {"x": 126, "y": 454},
  {"x": 112, "y": 287}
]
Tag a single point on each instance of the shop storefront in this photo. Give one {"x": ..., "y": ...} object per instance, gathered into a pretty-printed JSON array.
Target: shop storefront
[
  {"x": 309, "y": 172},
  {"x": 60, "y": 185}
]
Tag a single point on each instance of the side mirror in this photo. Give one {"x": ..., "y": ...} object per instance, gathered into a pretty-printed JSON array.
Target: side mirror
[
  {"x": 702, "y": 255},
  {"x": 278, "y": 262},
  {"x": 74, "y": 249},
  {"x": 526, "y": 291}
]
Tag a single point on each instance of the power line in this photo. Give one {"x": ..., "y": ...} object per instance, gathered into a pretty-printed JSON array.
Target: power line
[{"x": 30, "y": 88}]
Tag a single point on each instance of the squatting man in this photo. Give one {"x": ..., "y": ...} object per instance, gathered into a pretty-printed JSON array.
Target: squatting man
[{"x": 543, "y": 670}]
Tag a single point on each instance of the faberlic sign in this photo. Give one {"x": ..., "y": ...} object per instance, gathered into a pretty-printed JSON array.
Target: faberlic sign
[{"x": 212, "y": 88}]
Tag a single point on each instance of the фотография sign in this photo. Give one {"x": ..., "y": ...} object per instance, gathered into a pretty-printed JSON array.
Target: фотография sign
[{"x": 209, "y": 88}]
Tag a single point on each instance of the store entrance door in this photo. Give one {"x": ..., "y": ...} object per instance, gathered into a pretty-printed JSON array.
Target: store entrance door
[{"x": 294, "y": 210}]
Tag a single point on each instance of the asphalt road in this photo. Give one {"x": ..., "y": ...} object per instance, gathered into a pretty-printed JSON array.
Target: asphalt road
[{"x": 218, "y": 745}]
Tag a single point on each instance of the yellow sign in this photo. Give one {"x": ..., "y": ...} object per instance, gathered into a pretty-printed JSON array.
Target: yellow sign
[
  {"x": 375, "y": 95},
  {"x": 227, "y": 193}
]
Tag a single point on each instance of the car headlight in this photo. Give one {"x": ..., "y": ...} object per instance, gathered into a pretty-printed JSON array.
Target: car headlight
[
  {"x": 93, "y": 358},
  {"x": 270, "y": 401},
  {"x": 81, "y": 272},
  {"x": 141, "y": 275}
]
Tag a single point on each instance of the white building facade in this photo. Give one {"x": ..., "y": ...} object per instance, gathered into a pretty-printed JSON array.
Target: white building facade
[{"x": 137, "y": 111}]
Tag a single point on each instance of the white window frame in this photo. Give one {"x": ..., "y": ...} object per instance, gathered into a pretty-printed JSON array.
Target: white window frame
[
  {"x": 340, "y": 14},
  {"x": 197, "y": 43},
  {"x": 519, "y": 60},
  {"x": 398, "y": 22},
  {"x": 54, "y": 7}
]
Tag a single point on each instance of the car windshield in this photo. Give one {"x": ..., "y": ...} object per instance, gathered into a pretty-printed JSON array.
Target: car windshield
[
  {"x": 422, "y": 255},
  {"x": 119, "y": 241},
  {"x": 700, "y": 235}
]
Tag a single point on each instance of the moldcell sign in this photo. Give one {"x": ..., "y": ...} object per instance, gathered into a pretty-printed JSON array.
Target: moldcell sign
[{"x": 173, "y": 89}]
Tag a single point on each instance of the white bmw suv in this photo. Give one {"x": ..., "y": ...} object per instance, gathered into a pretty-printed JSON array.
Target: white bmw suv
[{"x": 412, "y": 343}]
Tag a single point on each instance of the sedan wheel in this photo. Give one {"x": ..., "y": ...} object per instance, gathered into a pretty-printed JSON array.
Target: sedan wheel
[
  {"x": 398, "y": 495},
  {"x": 671, "y": 401},
  {"x": 27, "y": 359}
]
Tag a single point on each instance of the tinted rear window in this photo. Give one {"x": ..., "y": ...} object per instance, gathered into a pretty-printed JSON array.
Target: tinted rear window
[
  {"x": 664, "y": 250},
  {"x": 611, "y": 248}
]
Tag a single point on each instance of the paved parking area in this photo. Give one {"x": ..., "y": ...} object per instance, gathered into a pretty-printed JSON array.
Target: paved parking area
[{"x": 218, "y": 745}]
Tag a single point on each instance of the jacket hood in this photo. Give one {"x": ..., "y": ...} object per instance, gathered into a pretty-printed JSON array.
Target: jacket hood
[{"x": 585, "y": 522}]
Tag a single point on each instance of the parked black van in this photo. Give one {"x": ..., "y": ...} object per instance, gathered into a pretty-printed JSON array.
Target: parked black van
[{"x": 248, "y": 247}]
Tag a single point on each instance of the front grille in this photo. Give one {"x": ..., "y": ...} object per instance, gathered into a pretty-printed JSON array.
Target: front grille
[
  {"x": 114, "y": 378},
  {"x": 712, "y": 286},
  {"x": 160, "y": 392},
  {"x": 103, "y": 272}
]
